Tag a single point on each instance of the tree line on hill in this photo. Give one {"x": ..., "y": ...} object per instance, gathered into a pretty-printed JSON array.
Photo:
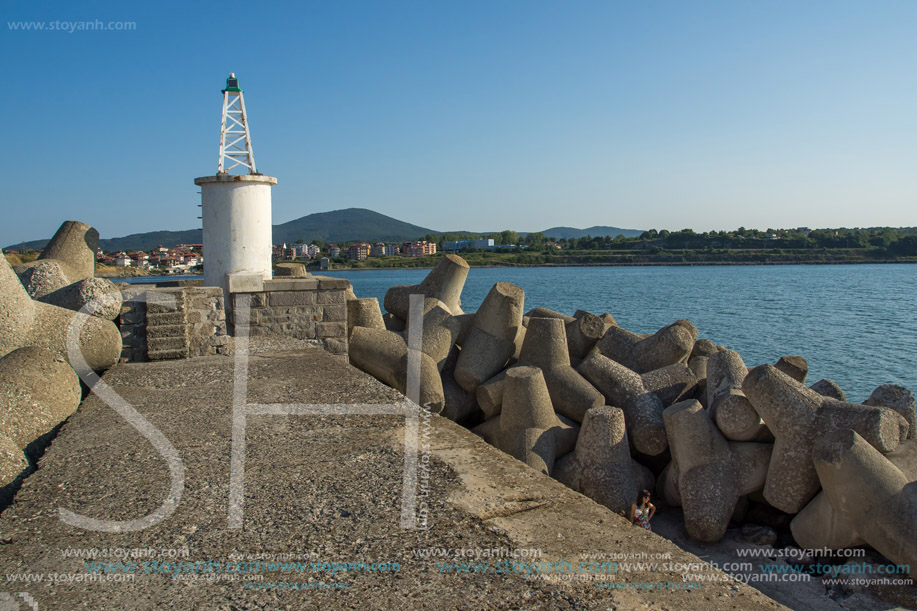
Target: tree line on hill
[{"x": 879, "y": 241}]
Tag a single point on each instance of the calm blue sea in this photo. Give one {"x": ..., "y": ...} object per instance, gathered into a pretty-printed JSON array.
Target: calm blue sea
[{"x": 854, "y": 324}]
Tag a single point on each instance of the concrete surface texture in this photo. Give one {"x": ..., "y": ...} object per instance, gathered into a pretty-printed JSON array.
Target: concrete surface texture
[
  {"x": 25, "y": 322},
  {"x": 318, "y": 488},
  {"x": 38, "y": 391},
  {"x": 94, "y": 296}
]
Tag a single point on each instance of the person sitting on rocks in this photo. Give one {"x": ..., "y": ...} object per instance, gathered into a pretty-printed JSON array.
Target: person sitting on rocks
[{"x": 642, "y": 511}]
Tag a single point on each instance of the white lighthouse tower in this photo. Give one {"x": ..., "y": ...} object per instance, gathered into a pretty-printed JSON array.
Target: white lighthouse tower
[{"x": 236, "y": 208}]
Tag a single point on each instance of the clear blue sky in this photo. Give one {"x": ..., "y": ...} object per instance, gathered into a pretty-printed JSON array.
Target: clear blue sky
[{"x": 470, "y": 115}]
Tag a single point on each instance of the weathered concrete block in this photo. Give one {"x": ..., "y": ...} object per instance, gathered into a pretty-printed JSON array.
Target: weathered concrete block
[
  {"x": 797, "y": 416},
  {"x": 328, "y": 283},
  {"x": 290, "y": 270},
  {"x": 13, "y": 462},
  {"x": 334, "y": 313},
  {"x": 820, "y": 525},
  {"x": 704, "y": 347},
  {"x": 393, "y": 323},
  {"x": 494, "y": 329},
  {"x": 618, "y": 343},
  {"x": 670, "y": 345},
  {"x": 444, "y": 282},
  {"x": 332, "y": 297},
  {"x": 671, "y": 384},
  {"x": 500, "y": 313},
  {"x": 156, "y": 344},
  {"x": 93, "y": 296},
  {"x": 873, "y": 493},
  {"x": 603, "y": 456},
  {"x": 384, "y": 355},
  {"x": 899, "y": 399},
  {"x": 707, "y": 478},
  {"x": 440, "y": 328},
  {"x": 527, "y": 419},
  {"x": 545, "y": 346},
  {"x": 794, "y": 366},
  {"x": 623, "y": 387},
  {"x": 459, "y": 403},
  {"x": 364, "y": 313},
  {"x": 482, "y": 356},
  {"x": 291, "y": 298},
  {"x": 490, "y": 395},
  {"x": 42, "y": 278},
  {"x": 245, "y": 282},
  {"x": 733, "y": 413},
  {"x": 334, "y": 345},
  {"x": 38, "y": 391},
  {"x": 25, "y": 322},
  {"x": 546, "y": 313},
  {"x": 667, "y": 486},
  {"x": 324, "y": 330},
  {"x": 163, "y": 331},
  {"x": 582, "y": 334},
  {"x": 827, "y": 388},
  {"x": 74, "y": 245},
  {"x": 69, "y": 257}
]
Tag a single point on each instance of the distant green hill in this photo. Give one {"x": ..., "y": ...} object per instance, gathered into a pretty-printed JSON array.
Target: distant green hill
[
  {"x": 135, "y": 241},
  {"x": 337, "y": 226},
  {"x": 347, "y": 225}
]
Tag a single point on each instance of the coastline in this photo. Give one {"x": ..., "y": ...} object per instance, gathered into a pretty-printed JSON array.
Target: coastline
[{"x": 627, "y": 264}]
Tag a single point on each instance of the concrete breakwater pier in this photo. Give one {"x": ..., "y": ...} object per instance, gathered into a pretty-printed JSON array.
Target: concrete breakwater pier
[
  {"x": 233, "y": 437},
  {"x": 324, "y": 494}
]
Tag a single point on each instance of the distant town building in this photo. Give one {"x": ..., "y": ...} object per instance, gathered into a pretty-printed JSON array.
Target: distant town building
[
  {"x": 324, "y": 263},
  {"x": 419, "y": 249},
  {"x": 478, "y": 244},
  {"x": 333, "y": 251},
  {"x": 380, "y": 249},
  {"x": 358, "y": 252},
  {"x": 283, "y": 252}
]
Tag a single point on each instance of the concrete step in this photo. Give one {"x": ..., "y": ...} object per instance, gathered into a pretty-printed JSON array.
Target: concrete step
[
  {"x": 167, "y": 343},
  {"x": 163, "y": 331},
  {"x": 165, "y": 318},
  {"x": 167, "y": 355}
]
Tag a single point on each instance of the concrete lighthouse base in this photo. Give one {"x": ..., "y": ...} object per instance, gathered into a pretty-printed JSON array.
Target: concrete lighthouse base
[{"x": 237, "y": 226}]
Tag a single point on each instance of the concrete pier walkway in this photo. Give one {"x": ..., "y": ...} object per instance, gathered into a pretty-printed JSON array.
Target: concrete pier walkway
[{"x": 319, "y": 491}]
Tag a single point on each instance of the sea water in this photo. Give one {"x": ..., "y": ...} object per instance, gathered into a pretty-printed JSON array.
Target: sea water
[{"x": 854, "y": 324}]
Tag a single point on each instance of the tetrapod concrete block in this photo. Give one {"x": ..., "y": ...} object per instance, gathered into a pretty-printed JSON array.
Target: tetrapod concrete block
[
  {"x": 797, "y": 416},
  {"x": 25, "y": 322},
  {"x": 545, "y": 347},
  {"x": 444, "y": 282}
]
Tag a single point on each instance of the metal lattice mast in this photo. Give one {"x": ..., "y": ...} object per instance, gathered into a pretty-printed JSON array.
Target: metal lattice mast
[{"x": 235, "y": 139}]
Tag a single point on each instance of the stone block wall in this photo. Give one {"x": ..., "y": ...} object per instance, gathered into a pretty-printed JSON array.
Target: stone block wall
[
  {"x": 312, "y": 308},
  {"x": 132, "y": 323},
  {"x": 159, "y": 323}
]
